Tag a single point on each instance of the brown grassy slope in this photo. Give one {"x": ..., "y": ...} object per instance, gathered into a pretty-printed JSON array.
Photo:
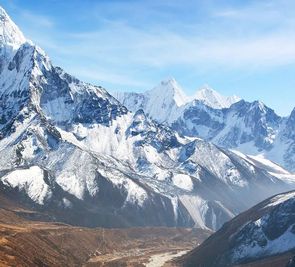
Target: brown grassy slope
[
  {"x": 47, "y": 244},
  {"x": 32, "y": 243}
]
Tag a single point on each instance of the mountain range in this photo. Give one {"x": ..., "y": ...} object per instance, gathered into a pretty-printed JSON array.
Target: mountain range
[
  {"x": 72, "y": 150},
  {"x": 229, "y": 122}
]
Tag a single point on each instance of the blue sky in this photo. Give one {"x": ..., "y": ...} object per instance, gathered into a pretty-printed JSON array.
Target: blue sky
[{"x": 238, "y": 47}]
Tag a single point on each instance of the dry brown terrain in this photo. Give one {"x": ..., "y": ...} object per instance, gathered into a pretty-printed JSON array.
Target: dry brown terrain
[{"x": 25, "y": 242}]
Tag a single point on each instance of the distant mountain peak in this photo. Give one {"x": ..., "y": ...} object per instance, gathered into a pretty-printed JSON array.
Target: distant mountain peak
[
  {"x": 169, "y": 80},
  {"x": 169, "y": 90},
  {"x": 213, "y": 99},
  {"x": 206, "y": 88}
]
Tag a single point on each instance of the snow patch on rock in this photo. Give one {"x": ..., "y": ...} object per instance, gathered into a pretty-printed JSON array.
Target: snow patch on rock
[{"x": 31, "y": 181}]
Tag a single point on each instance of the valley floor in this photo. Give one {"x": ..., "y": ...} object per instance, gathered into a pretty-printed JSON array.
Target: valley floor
[
  {"x": 156, "y": 256},
  {"x": 25, "y": 242}
]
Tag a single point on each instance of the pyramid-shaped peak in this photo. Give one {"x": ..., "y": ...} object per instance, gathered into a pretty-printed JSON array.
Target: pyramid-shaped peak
[
  {"x": 169, "y": 91},
  {"x": 206, "y": 90},
  {"x": 169, "y": 81}
]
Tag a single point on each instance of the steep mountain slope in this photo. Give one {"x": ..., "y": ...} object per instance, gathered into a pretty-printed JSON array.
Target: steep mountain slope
[
  {"x": 74, "y": 151},
  {"x": 263, "y": 231},
  {"x": 228, "y": 122},
  {"x": 10, "y": 38}
]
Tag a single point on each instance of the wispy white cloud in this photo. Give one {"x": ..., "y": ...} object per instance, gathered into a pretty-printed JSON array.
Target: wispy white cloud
[
  {"x": 39, "y": 20},
  {"x": 99, "y": 75},
  {"x": 124, "y": 45},
  {"x": 221, "y": 42}
]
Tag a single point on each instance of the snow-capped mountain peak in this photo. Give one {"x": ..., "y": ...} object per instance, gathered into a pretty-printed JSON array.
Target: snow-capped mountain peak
[
  {"x": 163, "y": 102},
  {"x": 213, "y": 99},
  {"x": 10, "y": 35},
  {"x": 169, "y": 91}
]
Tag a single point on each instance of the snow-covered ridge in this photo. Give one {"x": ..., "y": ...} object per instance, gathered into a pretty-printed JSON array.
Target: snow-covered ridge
[
  {"x": 167, "y": 101},
  {"x": 213, "y": 99},
  {"x": 279, "y": 199},
  {"x": 30, "y": 180},
  {"x": 270, "y": 234},
  {"x": 269, "y": 166},
  {"x": 10, "y": 35}
]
